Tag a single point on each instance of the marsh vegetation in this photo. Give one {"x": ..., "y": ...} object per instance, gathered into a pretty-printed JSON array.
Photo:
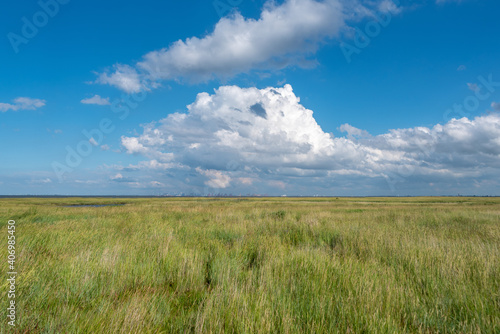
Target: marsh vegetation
[{"x": 266, "y": 265}]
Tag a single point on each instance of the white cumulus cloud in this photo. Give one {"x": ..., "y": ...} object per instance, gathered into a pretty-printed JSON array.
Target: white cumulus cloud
[
  {"x": 249, "y": 135},
  {"x": 285, "y": 34},
  {"x": 238, "y": 44}
]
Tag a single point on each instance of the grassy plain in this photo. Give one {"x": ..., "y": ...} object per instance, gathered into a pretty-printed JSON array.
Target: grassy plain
[{"x": 254, "y": 265}]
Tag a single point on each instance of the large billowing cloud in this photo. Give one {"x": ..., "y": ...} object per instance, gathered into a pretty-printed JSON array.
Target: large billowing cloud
[
  {"x": 266, "y": 128},
  {"x": 283, "y": 35},
  {"x": 246, "y": 136}
]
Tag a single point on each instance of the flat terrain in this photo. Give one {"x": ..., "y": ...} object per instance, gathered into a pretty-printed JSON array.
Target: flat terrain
[{"x": 279, "y": 265}]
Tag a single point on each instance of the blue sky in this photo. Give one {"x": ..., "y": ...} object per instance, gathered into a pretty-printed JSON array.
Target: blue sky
[{"x": 284, "y": 97}]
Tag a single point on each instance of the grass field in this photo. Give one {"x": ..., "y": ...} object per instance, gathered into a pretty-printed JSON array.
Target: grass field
[{"x": 267, "y": 265}]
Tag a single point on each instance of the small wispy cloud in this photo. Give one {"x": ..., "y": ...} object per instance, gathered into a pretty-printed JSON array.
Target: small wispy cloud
[
  {"x": 447, "y": 1},
  {"x": 124, "y": 77},
  {"x": 353, "y": 132},
  {"x": 86, "y": 181},
  {"x": 461, "y": 68},
  {"x": 41, "y": 181},
  {"x": 388, "y": 6},
  {"x": 56, "y": 131},
  {"x": 156, "y": 184},
  {"x": 96, "y": 99},
  {"x": 472, "y": 86},
  {"x": 22, "y": 103},
  {"x": 120, "y": 178}
]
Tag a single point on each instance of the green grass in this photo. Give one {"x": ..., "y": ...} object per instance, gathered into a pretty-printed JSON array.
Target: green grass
[{"x": 270, "y": 265}]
